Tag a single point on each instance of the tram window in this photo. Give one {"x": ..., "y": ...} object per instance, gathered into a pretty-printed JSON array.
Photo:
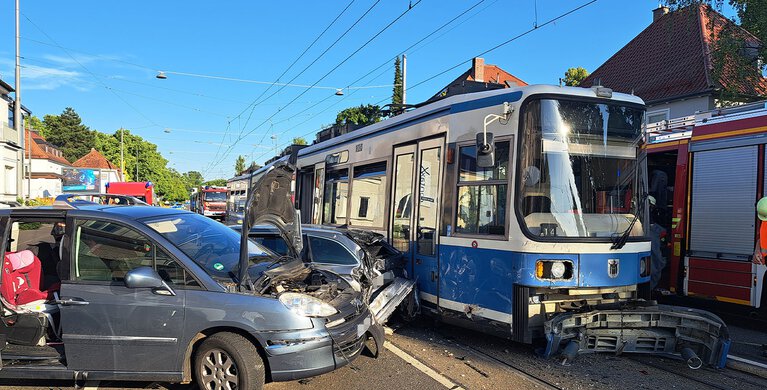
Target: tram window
[
  {"x": 334, "y": 199},
  {"x": 482, "y": 192},
  {"x": 369, "y": 195}
]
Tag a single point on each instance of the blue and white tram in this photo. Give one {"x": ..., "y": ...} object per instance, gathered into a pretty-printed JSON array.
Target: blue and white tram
[{"x": 520, "y": 212}]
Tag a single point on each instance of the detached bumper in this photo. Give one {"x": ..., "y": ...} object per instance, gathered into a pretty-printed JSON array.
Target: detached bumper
[
  {"x": 320, "y": 351},
  {"x": 654, "y": 329}
]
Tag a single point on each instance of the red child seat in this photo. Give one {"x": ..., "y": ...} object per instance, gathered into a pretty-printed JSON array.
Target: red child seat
[{"x": 22, "y": 281}]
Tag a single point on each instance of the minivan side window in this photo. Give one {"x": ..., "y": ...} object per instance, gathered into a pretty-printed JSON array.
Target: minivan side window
[
  {"x": 330, "y": 252},
  {"x": 105, "y": 251}
]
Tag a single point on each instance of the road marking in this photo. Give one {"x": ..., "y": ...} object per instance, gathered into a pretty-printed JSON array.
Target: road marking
[
  {"x": 443, "y": 380},
  {"x": 747, "y": 361},
  {"x": 91, "y": 385}
]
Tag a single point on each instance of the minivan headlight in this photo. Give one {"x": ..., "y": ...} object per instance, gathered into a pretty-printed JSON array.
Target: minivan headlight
[{"x": 306, "y": 306}]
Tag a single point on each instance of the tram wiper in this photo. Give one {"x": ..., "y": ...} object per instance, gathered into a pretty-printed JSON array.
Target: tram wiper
[{"x": 620, "y": 241}]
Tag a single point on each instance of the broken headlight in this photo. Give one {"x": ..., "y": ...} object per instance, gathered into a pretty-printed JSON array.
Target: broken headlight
[{"x": 306, "y": 306}]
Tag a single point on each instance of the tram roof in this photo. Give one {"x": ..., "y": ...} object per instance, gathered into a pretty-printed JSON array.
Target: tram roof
[{"x": 467, "y": 102}]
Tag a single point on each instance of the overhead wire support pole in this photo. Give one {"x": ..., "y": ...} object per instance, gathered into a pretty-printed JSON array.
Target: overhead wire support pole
[{"x": 18, "y": 120}]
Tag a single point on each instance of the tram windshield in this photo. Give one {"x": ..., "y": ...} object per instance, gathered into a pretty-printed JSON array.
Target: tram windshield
[{"x": 578, "y": 173}]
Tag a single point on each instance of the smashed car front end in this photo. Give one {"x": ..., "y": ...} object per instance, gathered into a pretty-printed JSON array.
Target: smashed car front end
[{"x": 341, "y": 322}]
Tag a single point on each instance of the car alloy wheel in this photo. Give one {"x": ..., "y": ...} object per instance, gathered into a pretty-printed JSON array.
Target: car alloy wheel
[{"x": 218, "y": 371}]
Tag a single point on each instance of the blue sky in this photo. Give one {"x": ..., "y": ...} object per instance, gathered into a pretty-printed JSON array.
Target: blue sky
[{"x": 101, "y": 58}]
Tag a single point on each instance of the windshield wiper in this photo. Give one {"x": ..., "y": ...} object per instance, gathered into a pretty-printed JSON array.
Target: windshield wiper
[{"x": 620, "y": 241}]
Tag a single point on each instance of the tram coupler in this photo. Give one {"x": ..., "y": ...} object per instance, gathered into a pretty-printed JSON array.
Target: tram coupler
[{"x": 696, "y": 336}]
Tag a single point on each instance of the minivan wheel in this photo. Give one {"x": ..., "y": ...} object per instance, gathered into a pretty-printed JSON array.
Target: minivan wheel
[{"x": 228, "y": 361}]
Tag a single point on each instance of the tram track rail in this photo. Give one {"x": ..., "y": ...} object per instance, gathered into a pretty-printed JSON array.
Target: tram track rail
[
  {"x": 519, "y": 371},
  {"x": 688, "y": 374}
]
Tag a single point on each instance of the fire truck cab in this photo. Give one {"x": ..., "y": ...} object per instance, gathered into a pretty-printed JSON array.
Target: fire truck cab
[
  {"x": 707, "y": 172},
  {"x": 210, "y": 201},
  {"x": 143, "y": 190}
]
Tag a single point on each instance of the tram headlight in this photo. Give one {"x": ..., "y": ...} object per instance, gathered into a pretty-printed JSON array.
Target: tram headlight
[
  {"x": 557, "y": 269},
  {"x": 554, "y": 269},
  {"x": 644, "y": 266}
]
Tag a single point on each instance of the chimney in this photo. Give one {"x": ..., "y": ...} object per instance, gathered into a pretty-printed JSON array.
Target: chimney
[
  {"x": 658, "y": 12},
  {"x": 478, "y": 69}
]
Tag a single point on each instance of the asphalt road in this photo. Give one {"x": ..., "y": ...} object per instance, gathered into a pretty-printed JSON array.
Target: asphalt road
[{"x": 425, "y": 355}]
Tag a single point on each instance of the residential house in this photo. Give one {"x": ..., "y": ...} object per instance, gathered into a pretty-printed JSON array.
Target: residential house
[
  {"x": 46, "y": 164},
  {"x": 480, "y": 77},
  {"x": 10, "y": 148},
  {"x": 670, "y": 64},
  {"x": 104, "y": 171}
]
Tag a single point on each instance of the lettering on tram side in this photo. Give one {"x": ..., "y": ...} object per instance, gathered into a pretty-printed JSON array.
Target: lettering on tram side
[{"x": 425, "y": 182}]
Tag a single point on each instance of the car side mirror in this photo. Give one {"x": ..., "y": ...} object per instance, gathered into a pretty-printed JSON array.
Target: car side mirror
[
  {"x": 485, "y": 150},
  {"x": 146, "y": 277}
]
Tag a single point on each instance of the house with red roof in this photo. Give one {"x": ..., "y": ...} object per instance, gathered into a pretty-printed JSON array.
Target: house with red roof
[
  {"x": 46, "y": 164},
  {"x": 480, "y": 77},
  {"x": 103, "y": 170},
  {"x": 10, "y": 146},
  {"x": 670, "y": 64}
]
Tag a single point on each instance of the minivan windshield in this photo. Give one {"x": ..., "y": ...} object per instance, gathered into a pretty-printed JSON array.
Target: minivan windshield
[{"x": 212, "y": 245}]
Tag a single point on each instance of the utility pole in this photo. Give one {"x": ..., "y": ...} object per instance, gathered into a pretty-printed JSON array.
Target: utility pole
[
  {"x": 404, "y": 81},
  {"x": 18, "y": 120},
  {"x": 122, "y": 157},
  {"x": 136, "y": 179}
]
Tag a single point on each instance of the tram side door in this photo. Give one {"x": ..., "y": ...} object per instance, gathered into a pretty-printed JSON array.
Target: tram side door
[
  {"x": 414, "y": 225},
  {"x": 318, "y": 187}
]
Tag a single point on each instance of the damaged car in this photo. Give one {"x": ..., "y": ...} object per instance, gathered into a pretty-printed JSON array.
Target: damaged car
[
  {"x": 364, "y": 258},
  {"x": 155, "y": 294}
]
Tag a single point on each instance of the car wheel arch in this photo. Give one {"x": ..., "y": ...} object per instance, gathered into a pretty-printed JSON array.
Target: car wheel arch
[{"x": 198, "y": 338}]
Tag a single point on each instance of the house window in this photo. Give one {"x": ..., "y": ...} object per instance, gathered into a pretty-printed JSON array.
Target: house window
[
  {"x": 657, "y": 116},
  {"x": 11, "y": 122},
  {"x": 482, "y": 192},
  {"x": 369, "y": 195},
  {"x": 363, "y": 210},
  {"x": 336, "y": 193}
]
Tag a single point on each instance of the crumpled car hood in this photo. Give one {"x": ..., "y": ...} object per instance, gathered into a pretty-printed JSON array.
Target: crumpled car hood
[{"x": 271, "y": 202}]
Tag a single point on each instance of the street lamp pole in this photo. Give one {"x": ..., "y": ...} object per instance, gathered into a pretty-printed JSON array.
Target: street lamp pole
[{"x": 136, "y": 163}]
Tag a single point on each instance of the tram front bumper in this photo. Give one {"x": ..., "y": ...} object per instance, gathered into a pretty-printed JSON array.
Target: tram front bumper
[{"x": 639, "y": 328}]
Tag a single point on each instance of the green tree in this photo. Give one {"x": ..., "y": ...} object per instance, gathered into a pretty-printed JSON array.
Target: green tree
[
  {"x": 68, "y": 133},
  {"x": 299, "y": 141},
  {"x": 193, "y": 179},
  {"x": 735, "y": 55},
  {"x": 574, "y": 76},
  {"x": 239, "y": 165},
  {"x": 143, "y": 162},
  {"x": 215, "y": 182},
  {"x": 253, "y": 167},
  {"x": 397, "y": 96},
  {"x": 34, "y": 123},
  {"x": 362, "y": 115}
]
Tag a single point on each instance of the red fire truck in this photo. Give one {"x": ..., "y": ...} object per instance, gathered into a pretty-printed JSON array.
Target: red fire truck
[
  {"x": 143, "y": 190},
  {"x": 706, "y": 172},
  {"x": 210, "y": 201}
]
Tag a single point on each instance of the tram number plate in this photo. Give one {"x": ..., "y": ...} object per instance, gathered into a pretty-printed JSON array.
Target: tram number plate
[{"x": 548, "y": 230}]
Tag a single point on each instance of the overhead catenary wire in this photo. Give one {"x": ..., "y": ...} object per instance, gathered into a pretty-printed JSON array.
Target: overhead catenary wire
[
  {"x": 536, "y": 27},
  {"x": 323, "y": 77},
  {"x": 504, "y": 43},
  {"x": 91, "y": 73},
  {"x": 252, "y": 106}
]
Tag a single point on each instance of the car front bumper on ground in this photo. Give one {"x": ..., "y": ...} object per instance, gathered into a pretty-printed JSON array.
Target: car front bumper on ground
[{"x": 302, "y": 354}]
